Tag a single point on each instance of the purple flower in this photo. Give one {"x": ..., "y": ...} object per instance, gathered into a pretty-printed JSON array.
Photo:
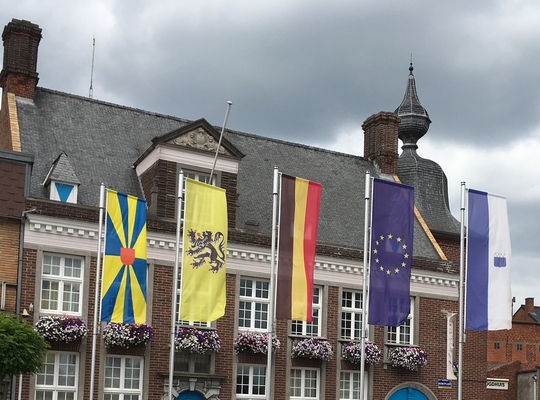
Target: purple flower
[
  {"x": 352, "y": 352},
  {"x": 257, "y": 342},
  {"x": 125, "y": 335},
  {"x": 61, "y": 328},
  {"x": 313, "y": 348},
  {"x": 408, "y": 357},
  {"x": 197, "y": 340}
]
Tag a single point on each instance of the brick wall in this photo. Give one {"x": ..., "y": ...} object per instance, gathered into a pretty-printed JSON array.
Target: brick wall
[
  {"x": 381, "y": 141},
  {"x": 9, "y": 249},
  {"x": 5, "y": 127},
  {"x": 524, "y": 335},
  {"x": 507, "y": 371}
]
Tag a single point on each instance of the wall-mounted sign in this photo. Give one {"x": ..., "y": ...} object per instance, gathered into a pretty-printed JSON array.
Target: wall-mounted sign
[
  {"x": 500, "y": 384},
  {"x": 444, "y": 384}
]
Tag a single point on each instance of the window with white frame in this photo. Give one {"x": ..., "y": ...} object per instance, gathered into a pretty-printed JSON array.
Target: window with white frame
[
  {"x": 57, "y": 380},
  {"x": 253, "y": 304},
  {"x": 123, "y": 378},
  {"x": 250, "y": 382},
  {"x": 310, "y": 328},
  {"x": 349, "y": 385},
  {"x": 403, "y": 334},
  {"x": 304, "y": 384},
  {"x": 61, "y": 284},
  {"x": 351, "y": 315}
]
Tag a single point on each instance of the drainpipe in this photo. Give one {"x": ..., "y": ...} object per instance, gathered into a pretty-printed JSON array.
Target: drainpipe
[
  {"x": 21, "y": 252},
  {"x": 535, "y": 384},
  {"x": 19, "y": 289}
]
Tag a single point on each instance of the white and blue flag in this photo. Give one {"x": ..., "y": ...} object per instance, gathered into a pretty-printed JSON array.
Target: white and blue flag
[{"x": 488, "y": 296}]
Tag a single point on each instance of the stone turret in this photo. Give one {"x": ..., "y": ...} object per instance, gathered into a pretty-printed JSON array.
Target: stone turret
[{"x": 427, "y": 177}]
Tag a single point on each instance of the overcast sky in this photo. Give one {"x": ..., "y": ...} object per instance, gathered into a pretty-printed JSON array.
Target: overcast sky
[{"x": 312, "y": 71}]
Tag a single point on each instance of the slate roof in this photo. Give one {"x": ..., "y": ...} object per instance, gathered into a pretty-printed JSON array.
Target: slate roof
[
  {"x": 62, "y": 171},
  {"x": 431, "y": 190},
  {"x": 103, "y": 140}
]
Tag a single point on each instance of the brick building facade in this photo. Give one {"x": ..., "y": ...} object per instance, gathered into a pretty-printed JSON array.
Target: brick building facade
[{"x": 62, "y": 231}]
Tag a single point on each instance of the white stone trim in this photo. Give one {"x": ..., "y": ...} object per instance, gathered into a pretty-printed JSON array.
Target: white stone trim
[
  {"x": 46, "y": 231},
  {"x": 186, "y": 157}
]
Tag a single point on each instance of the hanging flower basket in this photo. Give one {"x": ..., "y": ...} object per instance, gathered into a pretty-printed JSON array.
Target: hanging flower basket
[
  {"x": 197, "y": 340},
  {"x": 61, "y": 328},
  {"x": 352, "y": 352},
  {"x": 126, "y": 335},
  {"x": 257, "y": 342},
  {"x": 408, "y": 357},
  {"x": 313, "y": 348}
]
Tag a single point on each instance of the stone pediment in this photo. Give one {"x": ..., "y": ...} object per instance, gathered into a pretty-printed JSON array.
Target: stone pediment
[
  {"x": 199, "y": 139},
  {"x": 199, "y": 135}
]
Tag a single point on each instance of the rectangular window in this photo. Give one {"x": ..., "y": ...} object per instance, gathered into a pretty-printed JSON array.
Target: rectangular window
[
  {"x": 186, "y": 361},
  {"x": 351, "y": 315},
  {"x": 253, "y": 304},
  {"x": 203, "y": 177},
  {"x": 250, "y": 382},
  {"x": 61, "y": 284},
  {"x": 519, "y": 347},
  {"x": 310, "y": 328},
  {"x": 57, "y": 380},
  {"x": 496, "y": 345},
  {"x": 123, "y": 378},
  {"x": 349, "y": 385},
  {"x": 403, "y": 334},
  {"x": 304, "y": 384}
]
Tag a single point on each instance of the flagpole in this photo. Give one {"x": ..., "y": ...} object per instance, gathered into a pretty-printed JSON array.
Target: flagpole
[
  {"x": 175, "y": 280},
  {"x": 272, "y": 295},
  {"x": 461, "y": 292},
  {"x": 96, "y": 296},
  {"x": 229, "y": 104},
  {"x": 364, "y": 331}
]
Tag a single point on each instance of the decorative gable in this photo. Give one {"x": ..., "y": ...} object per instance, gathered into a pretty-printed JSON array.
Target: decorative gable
[
  {"x": 192, "y": 149},
  {"x": 199, "y": 139},
  {"x": 198, "y": 135},
  {"x": 61, "y": 181}
]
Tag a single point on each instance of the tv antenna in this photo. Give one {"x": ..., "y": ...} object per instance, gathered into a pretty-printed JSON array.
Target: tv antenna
[{"x": 91, "y": 90}]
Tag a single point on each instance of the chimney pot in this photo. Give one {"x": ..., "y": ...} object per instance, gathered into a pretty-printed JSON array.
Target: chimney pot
[
  {"x": 529, "y": 304},
  {"x": 19, "y": 73}
]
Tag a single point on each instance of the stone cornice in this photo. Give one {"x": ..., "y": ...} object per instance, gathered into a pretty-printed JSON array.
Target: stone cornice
[{"x": 83, "y": 236}]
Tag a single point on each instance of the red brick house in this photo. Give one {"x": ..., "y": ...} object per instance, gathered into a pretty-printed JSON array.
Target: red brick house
[
  {"x": 515, "y": 352},
  {"x": 74, "y": 144}
]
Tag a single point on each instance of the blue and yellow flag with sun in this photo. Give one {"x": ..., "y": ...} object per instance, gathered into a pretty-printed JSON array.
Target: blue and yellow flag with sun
[{"x": 123, "y": 288}]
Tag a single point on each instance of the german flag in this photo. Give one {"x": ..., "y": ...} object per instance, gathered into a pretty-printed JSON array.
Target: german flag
[{"x": 299, "y": 218}]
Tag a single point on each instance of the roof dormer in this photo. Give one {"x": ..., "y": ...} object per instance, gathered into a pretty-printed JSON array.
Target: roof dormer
[
  {"x": 192, "y": 149},
  {"x": 61, "y": 181}
]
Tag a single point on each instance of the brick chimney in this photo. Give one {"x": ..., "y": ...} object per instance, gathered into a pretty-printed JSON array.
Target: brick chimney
[
  {"x": 19, "y": 73},
  {"x": 381, "y": 141},
  {"x": 529, "y": 304}
]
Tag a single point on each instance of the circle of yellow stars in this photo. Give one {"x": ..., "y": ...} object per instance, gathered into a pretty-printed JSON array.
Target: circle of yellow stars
[{"x": 403, "y": 246}]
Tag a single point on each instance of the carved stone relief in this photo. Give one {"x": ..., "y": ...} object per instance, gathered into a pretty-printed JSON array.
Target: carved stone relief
[{"x": 198, "y": 139}]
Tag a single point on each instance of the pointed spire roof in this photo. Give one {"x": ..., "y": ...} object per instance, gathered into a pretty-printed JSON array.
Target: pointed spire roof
[{"x": 414, "y": 118}]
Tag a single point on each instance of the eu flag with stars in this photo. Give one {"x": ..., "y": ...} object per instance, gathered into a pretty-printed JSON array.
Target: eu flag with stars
[
  {"x": 123, "y": 291},
  {"x": 392, "y": 228}
]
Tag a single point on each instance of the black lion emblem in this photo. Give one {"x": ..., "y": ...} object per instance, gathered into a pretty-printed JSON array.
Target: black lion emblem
[{"x": 206, "y": 247}]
